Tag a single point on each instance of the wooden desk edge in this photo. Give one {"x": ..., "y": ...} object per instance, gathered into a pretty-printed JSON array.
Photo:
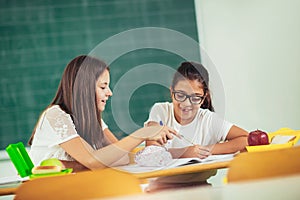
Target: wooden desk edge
[
  {"x": 158, "y": 173},
  {"x": 8, "y": 191},
  {"x": 182, "y": 170}
]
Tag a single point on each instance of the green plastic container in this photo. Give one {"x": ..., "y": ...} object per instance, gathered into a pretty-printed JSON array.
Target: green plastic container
[
  {"x": 20, "y": 158},
  {"x": 22, "y": 162}
]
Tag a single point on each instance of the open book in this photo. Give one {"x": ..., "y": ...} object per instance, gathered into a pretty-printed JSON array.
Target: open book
[
  {"x": 134, "y": 168},
  {"x": 189, "y": 161}
]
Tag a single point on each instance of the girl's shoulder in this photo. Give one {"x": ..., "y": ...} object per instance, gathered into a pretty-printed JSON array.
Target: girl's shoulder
[
  {"x": 55, "y": 115},
  {"x": 54, "y": 111}
]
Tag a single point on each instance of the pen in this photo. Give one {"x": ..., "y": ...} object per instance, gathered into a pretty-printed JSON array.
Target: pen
[
  {"x": 161, "y": 124},
  {"x": 182, "y": 137}
]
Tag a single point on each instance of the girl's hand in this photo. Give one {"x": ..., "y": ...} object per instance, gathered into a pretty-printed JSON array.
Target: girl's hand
[
  {"x": 196, "y": 151},
  {"x": 163, "y": 135},
  {"x": 160, "y": 134}
]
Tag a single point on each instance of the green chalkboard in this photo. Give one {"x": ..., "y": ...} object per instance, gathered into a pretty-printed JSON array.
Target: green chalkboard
[{"x": 38, "y": 39}]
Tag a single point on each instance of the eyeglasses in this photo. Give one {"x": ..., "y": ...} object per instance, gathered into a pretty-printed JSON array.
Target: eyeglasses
[{"x": 181, "y": 97}]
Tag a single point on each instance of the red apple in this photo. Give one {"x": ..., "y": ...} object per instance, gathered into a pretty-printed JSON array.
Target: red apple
[{"x": 258, "y": 137}]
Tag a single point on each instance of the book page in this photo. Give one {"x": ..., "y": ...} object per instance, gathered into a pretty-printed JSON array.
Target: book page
[{"x": 209, "y": 159}]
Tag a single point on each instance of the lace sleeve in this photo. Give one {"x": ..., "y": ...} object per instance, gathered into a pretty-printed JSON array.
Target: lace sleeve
[{"x": 61, "y": 123}]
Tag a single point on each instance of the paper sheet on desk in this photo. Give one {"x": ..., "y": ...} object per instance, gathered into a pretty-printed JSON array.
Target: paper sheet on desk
[
  {"x": 282, "y": 139},
  {"x": 177, "y": 163}
]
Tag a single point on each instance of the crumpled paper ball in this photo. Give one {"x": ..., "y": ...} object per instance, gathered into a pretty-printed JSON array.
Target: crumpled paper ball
[{"x": 153, "y": 156}]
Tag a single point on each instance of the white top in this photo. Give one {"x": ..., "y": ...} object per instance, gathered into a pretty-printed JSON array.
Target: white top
[
  {"x": 207, "y": 127},
  {"x": 54, "y": 127}
]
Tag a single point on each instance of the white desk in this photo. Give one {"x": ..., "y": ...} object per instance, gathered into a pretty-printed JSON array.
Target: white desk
[{"x": 275, "y": 189}]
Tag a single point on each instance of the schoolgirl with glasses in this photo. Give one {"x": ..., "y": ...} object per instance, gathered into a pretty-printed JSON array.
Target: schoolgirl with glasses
[{"x": 192, "y": 115}]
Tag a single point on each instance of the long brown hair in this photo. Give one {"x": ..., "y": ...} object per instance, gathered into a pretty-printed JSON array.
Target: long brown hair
[
  {"x": 195, "y": 71},
  {"x": 76, "y": 95}
]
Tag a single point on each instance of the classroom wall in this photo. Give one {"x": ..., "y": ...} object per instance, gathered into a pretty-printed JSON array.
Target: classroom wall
[{"x": 255, "y": 47}]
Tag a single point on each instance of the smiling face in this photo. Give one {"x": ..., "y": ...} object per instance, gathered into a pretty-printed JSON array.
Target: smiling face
[
  {"x": 185, "y": 111},
  {"x": 103, "y": 91}
]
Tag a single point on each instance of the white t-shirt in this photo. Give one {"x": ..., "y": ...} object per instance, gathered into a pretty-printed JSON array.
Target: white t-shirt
[
  {"x": 207, "y": 128},
  {"x": 55, "y": 126}
]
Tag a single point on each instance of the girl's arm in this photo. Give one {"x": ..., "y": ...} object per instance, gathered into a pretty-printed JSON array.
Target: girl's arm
[
  {"x": 81, "y": 151},
  {"x": 76, "y": 166},
  {"x": 110, "y": 136},
  {"x": 195, "y": 151},
  {"x": 112, "y": 139},
  {"x": 236, "y": 141}
]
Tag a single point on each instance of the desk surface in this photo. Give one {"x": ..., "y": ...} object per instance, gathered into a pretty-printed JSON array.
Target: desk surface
[
  {"x": 274, "y": 188},
  {"x": 158, "y": 173},
  {"x": 183, "y": 170}
]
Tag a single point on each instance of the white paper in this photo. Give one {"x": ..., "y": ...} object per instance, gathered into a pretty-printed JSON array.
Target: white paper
[{"x": 282, "y": 139}]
